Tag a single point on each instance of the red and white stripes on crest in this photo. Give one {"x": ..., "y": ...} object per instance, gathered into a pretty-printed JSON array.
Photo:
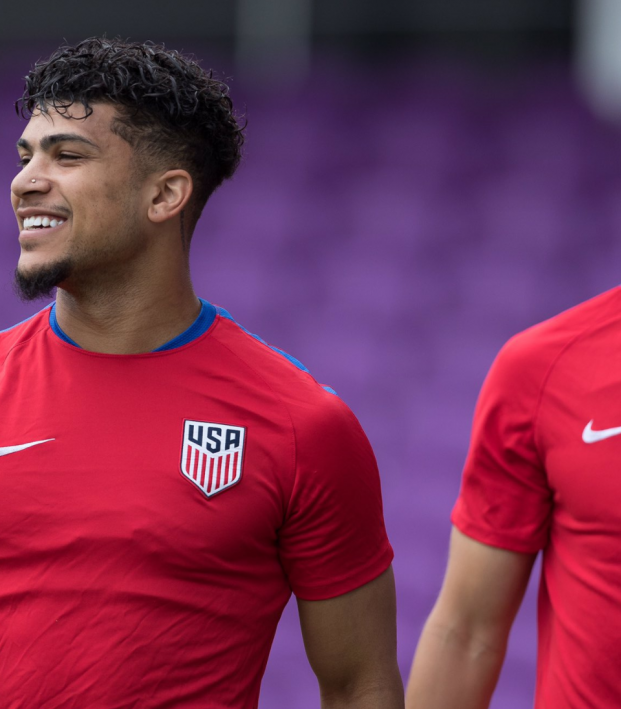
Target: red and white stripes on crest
[
  {"x": 212, "y": 455},
  {"x": 211, "y": 473}
]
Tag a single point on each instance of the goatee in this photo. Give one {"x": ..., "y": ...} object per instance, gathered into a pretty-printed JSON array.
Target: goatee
[{"x": 41, "y": 282}]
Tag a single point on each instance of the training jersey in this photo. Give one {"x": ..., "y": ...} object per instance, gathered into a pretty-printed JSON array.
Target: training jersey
[
  {"x": 544, "y": 472},
  {"x": 158, "y": 510}
]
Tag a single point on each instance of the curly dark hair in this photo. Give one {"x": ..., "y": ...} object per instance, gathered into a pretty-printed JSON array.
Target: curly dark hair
[{"x": 172, "y": 112}]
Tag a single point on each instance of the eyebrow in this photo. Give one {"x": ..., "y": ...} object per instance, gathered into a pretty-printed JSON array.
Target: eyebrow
[{"x": 50, "y": 140}]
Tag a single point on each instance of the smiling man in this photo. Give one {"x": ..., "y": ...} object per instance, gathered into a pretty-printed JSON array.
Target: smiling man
[{"x": 168, "y": 479}]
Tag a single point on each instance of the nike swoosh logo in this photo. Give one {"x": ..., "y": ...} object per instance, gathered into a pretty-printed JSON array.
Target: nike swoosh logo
[
  {"x": 591, "y": 436},
  {"x": 6, "y": 450}
]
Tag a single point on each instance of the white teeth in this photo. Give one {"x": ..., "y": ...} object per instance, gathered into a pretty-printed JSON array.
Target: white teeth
[{"x": 32, "y": 222}]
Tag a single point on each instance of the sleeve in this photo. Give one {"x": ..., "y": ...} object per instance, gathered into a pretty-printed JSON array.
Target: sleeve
[
  {"x": 333, "y": 539},
  {"x": 505, "y": 500}
]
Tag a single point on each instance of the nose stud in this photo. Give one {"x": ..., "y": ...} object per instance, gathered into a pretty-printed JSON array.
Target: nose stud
[{"x": 33, "y": 181}]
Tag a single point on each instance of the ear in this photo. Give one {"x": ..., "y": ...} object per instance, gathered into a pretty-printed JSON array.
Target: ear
[{"x": 171, "y": 192}]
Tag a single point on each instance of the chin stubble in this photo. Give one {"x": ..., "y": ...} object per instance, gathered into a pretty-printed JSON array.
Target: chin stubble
[{"x": 41, "y": 282}]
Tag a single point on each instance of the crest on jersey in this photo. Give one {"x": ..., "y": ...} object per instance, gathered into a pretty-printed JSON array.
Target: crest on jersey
[{"x": 211, "y": 455}]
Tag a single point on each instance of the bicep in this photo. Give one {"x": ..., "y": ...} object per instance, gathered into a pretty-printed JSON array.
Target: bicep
[
  {"x": 483, "y": 586},
  {"x": 352, "y": 638}
]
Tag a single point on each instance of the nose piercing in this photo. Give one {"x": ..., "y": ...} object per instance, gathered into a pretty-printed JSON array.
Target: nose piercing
[{"x": 33, "y": 181}]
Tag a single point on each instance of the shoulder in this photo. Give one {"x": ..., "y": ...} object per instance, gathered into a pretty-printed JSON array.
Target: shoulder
[
  {"x": 20, "y": 333},
  {"x": 506, "y": 497},
  {"x": 318, "y": 416},
  {"x": 529, "y": 356},
  {"x": 281, "y": 372}
]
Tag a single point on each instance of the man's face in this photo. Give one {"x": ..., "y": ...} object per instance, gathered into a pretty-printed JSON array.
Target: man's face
[{"x": 77, "y": 200}]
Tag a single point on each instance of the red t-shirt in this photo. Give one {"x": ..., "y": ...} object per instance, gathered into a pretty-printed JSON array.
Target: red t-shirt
[
  {"x": 544, "y": 472},
  {"x": 158, "y": 510}
]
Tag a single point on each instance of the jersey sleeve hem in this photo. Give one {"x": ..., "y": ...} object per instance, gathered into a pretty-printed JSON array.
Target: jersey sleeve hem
[
  {"x": 495, "y": 538},
  {"x": 358, "y": 578}
]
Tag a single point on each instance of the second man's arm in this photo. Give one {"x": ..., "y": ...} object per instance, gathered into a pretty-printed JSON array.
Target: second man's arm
[{"x": 462, "y": 647}]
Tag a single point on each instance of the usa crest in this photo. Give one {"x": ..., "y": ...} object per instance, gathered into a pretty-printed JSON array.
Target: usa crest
[{"x": 212, "y": 454}]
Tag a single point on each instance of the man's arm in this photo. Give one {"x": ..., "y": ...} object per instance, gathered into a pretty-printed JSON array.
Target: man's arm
[
  {"x": 351, "y": 643},
  {"x": 462, "y": 647}
]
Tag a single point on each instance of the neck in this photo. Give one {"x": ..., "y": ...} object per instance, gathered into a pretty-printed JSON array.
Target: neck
[{"x": 135, "y": 316}]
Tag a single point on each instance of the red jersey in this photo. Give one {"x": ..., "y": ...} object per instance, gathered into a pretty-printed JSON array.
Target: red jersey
[
  {"x": 543, "y": 473},
  {"x": 158, "y": 509}
]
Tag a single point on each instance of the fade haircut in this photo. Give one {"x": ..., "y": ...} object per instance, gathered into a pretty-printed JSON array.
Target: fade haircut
[{"x": 172, "y": 112}]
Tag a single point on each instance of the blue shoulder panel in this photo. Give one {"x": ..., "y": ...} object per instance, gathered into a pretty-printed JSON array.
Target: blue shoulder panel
[{"x": 296, "y": 362}]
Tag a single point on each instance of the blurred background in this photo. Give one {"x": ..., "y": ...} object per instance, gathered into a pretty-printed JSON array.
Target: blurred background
[{"x": 422, "y": 179}]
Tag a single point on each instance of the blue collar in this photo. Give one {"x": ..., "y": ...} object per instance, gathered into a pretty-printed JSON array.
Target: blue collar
[{"x": 202, "y": 323}]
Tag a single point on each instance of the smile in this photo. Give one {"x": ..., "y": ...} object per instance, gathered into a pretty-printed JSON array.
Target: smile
[{"x": 42, "y": 222}]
